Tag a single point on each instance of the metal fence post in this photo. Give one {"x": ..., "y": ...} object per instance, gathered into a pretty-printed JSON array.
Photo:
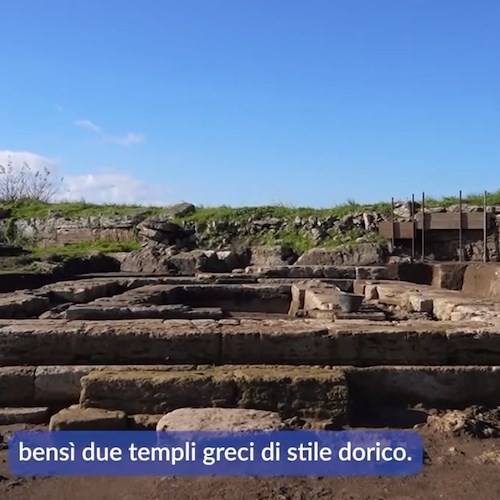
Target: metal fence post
[
  {"x": 460, "y": 234},
  {"x": 393, "y": 240},
  {"x": 423, "y": 227},
  {"x": 413, "y": 227},
  {"x": 485, "y": 230}
]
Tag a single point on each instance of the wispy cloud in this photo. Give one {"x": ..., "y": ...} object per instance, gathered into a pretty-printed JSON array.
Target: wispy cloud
[
  {"x": 122, "y": 140},
  {"x": 87, "y": 124},
  {"x": 126, "y": 140}
]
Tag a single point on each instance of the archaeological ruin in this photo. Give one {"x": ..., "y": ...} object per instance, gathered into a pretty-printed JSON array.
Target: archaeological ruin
[{"x": 314, "y": 346}]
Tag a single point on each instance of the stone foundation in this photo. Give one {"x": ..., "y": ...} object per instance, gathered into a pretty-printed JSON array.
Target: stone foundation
[{"x": 127, "y": 349}]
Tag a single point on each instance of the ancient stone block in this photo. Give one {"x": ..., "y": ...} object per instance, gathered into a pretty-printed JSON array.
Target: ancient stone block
[
  {"x": 420, "y": 303},
  {"x": 22, "y": 305},
  {"x": 371, "y": 292},
  {"x": 33, "y": 415},
  {"x": 362, "y": 254},
  {"x": 372, "y": 273},
  {"x": 75, "y": 418},
  {"x": 16, "y": 385},
  {"x": 59, "y": 384},
  {"x": 272, "y": 255},
  {"x": 155, "y": 392},
  {"x": 304, "y": 391},
  {"x": 434, "y": 386},
  {"x": 220, "y": 419},
  {"x": 448, "y": 275}
]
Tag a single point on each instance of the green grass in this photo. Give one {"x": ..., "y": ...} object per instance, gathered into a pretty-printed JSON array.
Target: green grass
[
  {"x": 470, "y": 199},
  {"x": 301, "y": 241},
  {"x": 34, "y": 209},
  {"x": 31, "y": 262},
  {"x": 206, "y": 214},
  {"x": 83, "y": 248},
  {"x": 39, "y": 209}
]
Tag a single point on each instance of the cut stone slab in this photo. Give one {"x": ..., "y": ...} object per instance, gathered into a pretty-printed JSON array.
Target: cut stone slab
[
  {"x": 19, "y": 305},
  {"x": 271, "y": 255},
  {"x": 372, "y": 273},
  {"x": 145, "y": 311},
  {"x": 434, "y": 386},
  {"x": 82, "y": 291},
  {"x": 482, "y": 280},
  {"x": 10, "y": 416},
  {"x": 60, "y": 385},
  {"x": 220, "y": 419},
  {"x": 365, "y": 313},
  {"x": 324, "y": 299},
  {"x": 449, "y": 275},
  {"x": 289, "y": 390},
  {"x": 248, "y": 341},
  {"x": 80, "y": 419},
  {"x": 302, "y": 272},
  {"x": 297, "y": 303},
  {"x": 362, "y": 254},
  {"x": 16, "y": 385},
  {"x": 420, "y": 303},
  {"x": 371, "y": 292}
]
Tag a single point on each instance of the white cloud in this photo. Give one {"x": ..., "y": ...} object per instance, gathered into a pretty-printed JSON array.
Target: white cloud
[
  {"x": 101, "y": 187},
  {"x": 111, "y": 188},
  {"x": 87, "y": 124},
  {"x": 122, "y": 140},
  {"x": 35, "y": 162}
]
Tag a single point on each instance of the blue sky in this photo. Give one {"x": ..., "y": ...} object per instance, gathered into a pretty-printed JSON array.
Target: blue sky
[{"x": 239, "y": 102}]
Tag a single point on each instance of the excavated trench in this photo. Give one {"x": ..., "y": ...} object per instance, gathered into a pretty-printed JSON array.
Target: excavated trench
[{"x": 273, "y": 343}]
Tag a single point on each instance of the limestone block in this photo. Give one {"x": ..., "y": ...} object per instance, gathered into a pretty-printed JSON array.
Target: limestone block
[
  {"x": 449, "y": 386},
  {"x": 81, "y": 419},
  {"x": 297, "y": 302},
  {"x": 16, "y": 385},
  {"x": 9, "y": 416},
  {"x": 420, "y": 303},
  {"x": 220, "y": 419},
  {"x": 22, "y": 305},
  {"x": 372, "y": 273},
  {"x": 371, "y": 292},
  {"x": 59, "y": 384},
  {"x": 290, "y": 391}
]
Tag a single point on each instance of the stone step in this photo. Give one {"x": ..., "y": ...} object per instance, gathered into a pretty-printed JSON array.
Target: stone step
[
  {"x": 31, "y": 415},
  {"x": 302, "y": 390},
  {"x": 148, "y": 311},
  {"x": 305, "y": 392},
  {"x": 248, "y": 341}
]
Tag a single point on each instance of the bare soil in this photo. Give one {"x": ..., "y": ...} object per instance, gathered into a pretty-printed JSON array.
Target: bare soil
[{"x": 451, "y": 471}]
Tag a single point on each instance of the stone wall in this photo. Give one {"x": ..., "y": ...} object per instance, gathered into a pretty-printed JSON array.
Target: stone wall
[
  {"x": 222, "y": 234},
  {"x": 55, "y": 231}
]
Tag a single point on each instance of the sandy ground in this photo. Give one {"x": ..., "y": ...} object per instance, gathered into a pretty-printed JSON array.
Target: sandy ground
[{"x": 451, "y": 471}]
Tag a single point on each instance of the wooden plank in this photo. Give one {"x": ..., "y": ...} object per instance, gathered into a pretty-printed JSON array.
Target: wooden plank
[
  {"x": 402, "y": 230},
  {"x": 444, "y": 221},
  {"x": 435, "y": 222}
]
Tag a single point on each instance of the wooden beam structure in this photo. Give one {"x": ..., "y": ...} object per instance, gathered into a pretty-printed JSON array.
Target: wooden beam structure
[{"x": 436, "y": 222}]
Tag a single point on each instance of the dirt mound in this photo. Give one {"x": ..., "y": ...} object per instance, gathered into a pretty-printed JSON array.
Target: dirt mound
[{"x": 475, "y": 421}]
